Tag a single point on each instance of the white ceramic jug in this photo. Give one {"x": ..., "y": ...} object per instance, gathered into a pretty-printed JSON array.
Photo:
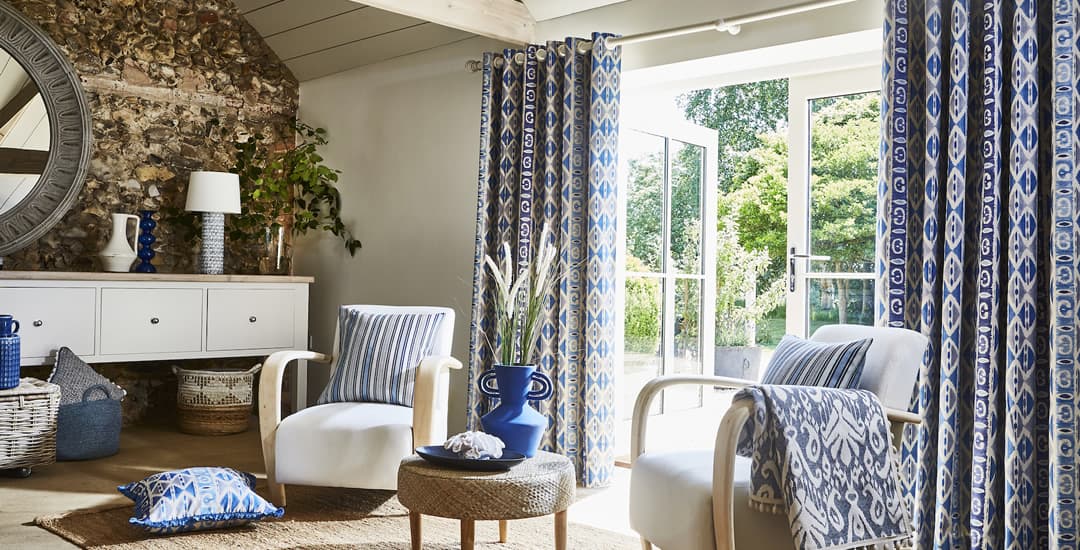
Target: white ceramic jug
[{"x": 118, "y": 255}]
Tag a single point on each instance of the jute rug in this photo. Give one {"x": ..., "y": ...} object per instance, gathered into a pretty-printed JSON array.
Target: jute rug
[{"x": 325, "y": 519}]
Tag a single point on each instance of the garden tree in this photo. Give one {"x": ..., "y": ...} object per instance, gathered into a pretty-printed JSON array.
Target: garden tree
[
  {"x": 644, "y": 212},
  {"x": 752, "y": 190},
  {"x": 741, "y": 300},
  {"x": 843, "y": 183},
  {"x": 846, "y": 136},
  {"x": 739, "y": 114},
  {"x": 758, "y": 201}
]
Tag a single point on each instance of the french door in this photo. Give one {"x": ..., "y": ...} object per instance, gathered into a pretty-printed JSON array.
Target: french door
[
  {"x": 668, "y": 201},
  {"x": 832, "y": 194}
]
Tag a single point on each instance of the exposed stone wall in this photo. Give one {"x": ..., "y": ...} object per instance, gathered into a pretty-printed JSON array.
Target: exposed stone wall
[{"x": 172, "y": 84}]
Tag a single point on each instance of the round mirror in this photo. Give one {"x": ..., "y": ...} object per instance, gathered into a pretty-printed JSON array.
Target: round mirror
[{"x": 44, "y": 132}]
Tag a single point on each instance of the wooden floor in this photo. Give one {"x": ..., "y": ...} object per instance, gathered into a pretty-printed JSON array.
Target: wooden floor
[{"x": 66, "y": 486}]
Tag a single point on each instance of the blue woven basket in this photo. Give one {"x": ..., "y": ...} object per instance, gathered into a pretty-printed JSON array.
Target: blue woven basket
[{"x": 90, "y": 428}]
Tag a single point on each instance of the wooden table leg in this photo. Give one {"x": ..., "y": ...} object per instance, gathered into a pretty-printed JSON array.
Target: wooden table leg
[
  {"x": 560, "y": 530},
  {"x": 414, "y": 530},
  {"x": 468, "y": 534},
  {"x": 502, "y": 531}
]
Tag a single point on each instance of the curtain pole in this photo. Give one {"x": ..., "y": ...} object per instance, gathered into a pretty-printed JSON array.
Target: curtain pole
[{"x": 733, "y": 26}]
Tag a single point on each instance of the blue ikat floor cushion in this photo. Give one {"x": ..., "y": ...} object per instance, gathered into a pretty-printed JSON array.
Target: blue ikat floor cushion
[{"x": 193, "y": 499}]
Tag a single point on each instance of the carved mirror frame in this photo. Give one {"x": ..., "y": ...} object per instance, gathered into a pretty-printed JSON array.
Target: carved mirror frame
[{"x": 62, "y": 179}]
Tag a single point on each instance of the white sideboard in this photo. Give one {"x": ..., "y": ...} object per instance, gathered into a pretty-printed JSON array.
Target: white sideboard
[{"x": 119, "y": 317}]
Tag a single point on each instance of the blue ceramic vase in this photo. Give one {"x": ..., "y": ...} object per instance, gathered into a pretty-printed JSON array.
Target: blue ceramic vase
[
  {"x": 10, "y": 356},
  {"x": 514, "y": 421},
  {"x": 146, "y": 242}
]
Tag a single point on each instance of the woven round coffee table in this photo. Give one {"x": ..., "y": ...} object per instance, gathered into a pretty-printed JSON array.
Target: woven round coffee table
[{"x": 541, "y": 485}]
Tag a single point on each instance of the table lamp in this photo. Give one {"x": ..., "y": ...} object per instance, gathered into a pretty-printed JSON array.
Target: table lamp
[{"x": 214, "y": 194}]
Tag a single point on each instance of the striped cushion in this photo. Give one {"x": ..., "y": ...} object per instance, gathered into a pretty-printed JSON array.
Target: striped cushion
[
  {"x": 378, "y": 356},
  {"x": 799, "y": 362}
]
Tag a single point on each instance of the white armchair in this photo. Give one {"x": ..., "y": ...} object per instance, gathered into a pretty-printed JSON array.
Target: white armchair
[
  {"x": 355, "y": 445},
  {"x": 697, "y": 499}
]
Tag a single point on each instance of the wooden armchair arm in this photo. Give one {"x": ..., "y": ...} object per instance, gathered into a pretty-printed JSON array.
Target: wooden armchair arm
[
  {"x": 273, "y": 372},
  {"x": 431, "y": 397},
  {"x": 727, "y": 440},
  {"x": 640, "y": 422}
]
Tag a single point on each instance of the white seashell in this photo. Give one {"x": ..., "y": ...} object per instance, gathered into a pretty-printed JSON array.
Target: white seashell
[{"x": 475, "y": 445}]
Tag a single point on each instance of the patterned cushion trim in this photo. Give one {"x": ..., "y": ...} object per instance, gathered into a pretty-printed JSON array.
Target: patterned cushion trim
[
  {"x": 196, "y": 498},
  {"x": 798, "y": 362},
  {"x": 378, "y": 356}
]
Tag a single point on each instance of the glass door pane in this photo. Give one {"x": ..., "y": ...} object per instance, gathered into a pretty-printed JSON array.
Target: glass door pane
[
  {"x": 835, "y": 141},
  {"x": 663, "y": 175},
  {"x": 845, "y": 132},
  {"x": 644, "y": 166}
]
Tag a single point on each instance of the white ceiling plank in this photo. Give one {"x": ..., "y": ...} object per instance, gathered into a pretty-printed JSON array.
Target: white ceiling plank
[
  {"x": 373, "y": 50},
  {"x": 290, "y": 14},
  {"x": 251, "y": 5},
  {"x": 544, "y": 10},
  {"x": 328, "y": 33},
  {"x": 506, "y": 20}
]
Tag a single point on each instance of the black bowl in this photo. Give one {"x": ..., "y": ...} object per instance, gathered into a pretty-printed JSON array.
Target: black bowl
[{"x": 438, "y": 455}]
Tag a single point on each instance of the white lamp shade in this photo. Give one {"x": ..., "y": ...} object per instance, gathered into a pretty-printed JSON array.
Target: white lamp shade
[{"x": 213, "y": 192}]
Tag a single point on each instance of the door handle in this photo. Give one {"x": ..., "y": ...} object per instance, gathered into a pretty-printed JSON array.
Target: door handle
[{"x": 792, "y": 256}]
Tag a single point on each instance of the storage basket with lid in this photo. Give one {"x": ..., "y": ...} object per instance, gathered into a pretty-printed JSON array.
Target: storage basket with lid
[
  {"x": 28, "y": 424},
  {"x": 214, "y": 402}
]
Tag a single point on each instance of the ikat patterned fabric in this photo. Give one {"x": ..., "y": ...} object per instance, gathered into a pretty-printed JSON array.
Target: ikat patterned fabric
[
  {"x": 823, "y": 457},
  {"x": 195, "y": 499},
  {"x": 799, "y": 362},
  {"x": 978, "y": 228},
  {"x": 548, "y": 143},
  {"x": 378, "y": 356}
]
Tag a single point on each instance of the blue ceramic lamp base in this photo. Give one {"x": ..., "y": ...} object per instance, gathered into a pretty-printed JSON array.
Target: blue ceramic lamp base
[{"x": 212, "y": 253}]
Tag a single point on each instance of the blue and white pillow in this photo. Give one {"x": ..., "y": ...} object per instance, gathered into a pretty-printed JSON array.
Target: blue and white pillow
[
  {"x": 378, "y": 356},
  {"x": 193, "y": 499},
  {"x": 798, "y": 362}
]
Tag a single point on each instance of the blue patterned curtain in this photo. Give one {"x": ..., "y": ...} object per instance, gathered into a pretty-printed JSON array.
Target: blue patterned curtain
[
  {"x": 548, "y": 140},
  {"x": 978, "y": 231}
]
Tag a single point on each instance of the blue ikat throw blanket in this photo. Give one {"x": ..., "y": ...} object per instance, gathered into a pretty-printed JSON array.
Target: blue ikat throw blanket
[{"x": 823, "y": 456}]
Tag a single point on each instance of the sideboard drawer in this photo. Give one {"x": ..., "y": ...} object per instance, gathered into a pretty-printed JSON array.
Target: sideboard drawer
[
  {"x": 50, "y": 318},
  {"x": 151, "y": 320},
  {"x": 250, "y": 319}
]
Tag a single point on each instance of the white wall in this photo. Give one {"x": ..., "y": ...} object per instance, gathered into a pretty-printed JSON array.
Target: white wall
[{"x": 405, "y": 134}]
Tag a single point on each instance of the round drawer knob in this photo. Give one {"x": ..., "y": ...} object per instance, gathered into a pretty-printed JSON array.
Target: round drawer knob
[
  {"x": 38, "y": 323},
  {"x": 252, "y": 319},
  {"x": 154, "y": 320}
]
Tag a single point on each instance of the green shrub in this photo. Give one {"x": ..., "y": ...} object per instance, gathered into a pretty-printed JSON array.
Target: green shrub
[{"x": 641, "y": 328}]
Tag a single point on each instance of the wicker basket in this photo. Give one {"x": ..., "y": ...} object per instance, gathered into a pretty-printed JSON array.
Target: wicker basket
[
  {"x": 28, "y": 424},
  {"x": 212, "y": 402}
]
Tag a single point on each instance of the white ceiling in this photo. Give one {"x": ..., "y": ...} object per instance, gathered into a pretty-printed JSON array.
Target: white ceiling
[
  {"x": 542, "y": 10},
  {"x": 320, "y": 37},
  {"x": 317, "y": 38}
]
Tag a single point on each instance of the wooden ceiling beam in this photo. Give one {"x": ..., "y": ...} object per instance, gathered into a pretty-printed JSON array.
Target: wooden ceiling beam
[
  {"x": 22, "y": 161},
  {"x": 15, "y": 104},
  {"x": 506, "y": 20}
]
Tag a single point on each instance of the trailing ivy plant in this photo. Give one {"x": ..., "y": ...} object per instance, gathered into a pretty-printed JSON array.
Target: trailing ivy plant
[{"x": 292, "y": 185}]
